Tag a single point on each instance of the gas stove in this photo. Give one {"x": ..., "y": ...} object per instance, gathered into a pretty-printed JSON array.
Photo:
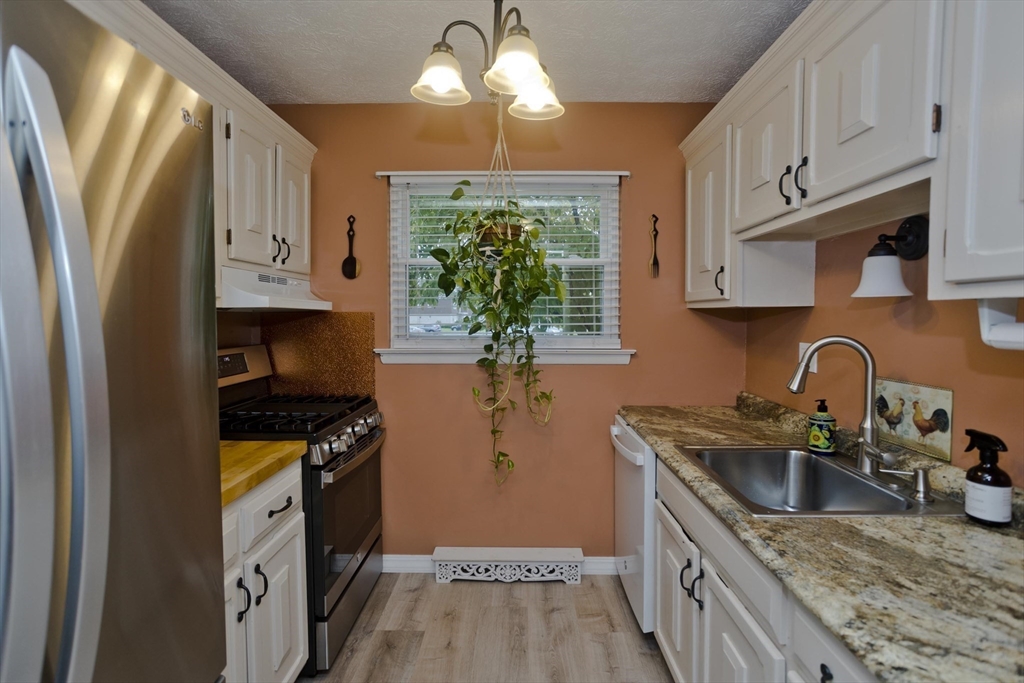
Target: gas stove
[
  {"x": 341, "y": 489},
  {"x": 330, "y": 424}
]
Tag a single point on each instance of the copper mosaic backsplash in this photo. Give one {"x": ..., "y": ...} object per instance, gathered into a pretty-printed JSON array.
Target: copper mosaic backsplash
[{"x": 320, "y": 353}]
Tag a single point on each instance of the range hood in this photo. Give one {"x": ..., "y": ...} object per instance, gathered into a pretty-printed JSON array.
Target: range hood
[{"x": 250, "y": 290}]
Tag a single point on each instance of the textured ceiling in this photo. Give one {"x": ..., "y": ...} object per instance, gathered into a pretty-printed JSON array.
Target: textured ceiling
[{"x": 320, "y": 51}]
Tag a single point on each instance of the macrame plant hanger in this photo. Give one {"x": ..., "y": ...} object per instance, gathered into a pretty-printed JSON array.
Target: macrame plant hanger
[{"x": 499, "y": 176}]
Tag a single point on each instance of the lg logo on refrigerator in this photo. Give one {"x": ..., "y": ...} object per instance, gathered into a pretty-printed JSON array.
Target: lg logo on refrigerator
[{"x": 188, "y": 120}]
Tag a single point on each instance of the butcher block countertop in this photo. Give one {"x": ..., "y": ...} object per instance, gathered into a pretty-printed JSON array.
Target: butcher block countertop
[
  {"x": 914, "y": 598},
  {"x": 244, "y": 465}
]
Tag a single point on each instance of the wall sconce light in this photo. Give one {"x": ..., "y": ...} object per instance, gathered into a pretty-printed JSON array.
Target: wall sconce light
[{"x": 881, "y": 275}]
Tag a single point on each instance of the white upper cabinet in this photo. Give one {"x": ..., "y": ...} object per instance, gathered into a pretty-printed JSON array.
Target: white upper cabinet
[
  {"x": 871, "y": 85},
  {"x": 252, "y": 236},
  {"x": 707, "y": 220},
  {"x": 985, "y": 190},
  {"x": 293, "y": 211},
  {"x": 767, "y": 145}
]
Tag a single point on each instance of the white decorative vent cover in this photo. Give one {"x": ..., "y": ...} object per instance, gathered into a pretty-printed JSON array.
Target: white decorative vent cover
[{"x": 508, "y": 564}]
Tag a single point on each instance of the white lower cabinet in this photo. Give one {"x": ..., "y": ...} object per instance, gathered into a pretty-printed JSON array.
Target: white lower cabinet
[
  {"x": 276, "y": 633},
  {"x": 265, "y": 585},
  {"x": 736, "y": 649},
  {"x": 721, "y": 616},
  {"x": 676, "y": 615},
  {"x": 237, "y": 601}
]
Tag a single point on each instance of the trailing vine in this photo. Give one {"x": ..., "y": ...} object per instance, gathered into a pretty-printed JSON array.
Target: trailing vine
[{"x": 497, "y": 271}]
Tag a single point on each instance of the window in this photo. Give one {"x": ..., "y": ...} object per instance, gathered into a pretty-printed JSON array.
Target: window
[{"x": 581, "y": 214}]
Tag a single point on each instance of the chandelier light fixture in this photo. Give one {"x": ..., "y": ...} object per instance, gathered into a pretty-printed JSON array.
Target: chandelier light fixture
[{"x": 516, "y": 70}]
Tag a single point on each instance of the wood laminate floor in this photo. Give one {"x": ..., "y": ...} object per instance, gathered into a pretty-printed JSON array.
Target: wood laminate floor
[{"x": 413, "y": 629}]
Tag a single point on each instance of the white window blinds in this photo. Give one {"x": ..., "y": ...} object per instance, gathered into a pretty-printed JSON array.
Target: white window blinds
[{"x": 581, "y": 214}]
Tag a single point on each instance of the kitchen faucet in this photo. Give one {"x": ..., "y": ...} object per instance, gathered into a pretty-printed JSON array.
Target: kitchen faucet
[{"x": 868, "y": 429}]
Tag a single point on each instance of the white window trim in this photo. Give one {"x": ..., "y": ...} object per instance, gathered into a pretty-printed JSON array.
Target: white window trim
[{"x": 576, "y": 352}]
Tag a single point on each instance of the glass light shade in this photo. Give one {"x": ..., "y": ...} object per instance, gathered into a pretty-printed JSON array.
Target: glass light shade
[
  {"x": 881, "y": 276},
  {"x": 516, "y": 64},
  {"x": 537, "y": 102},
  {"x": 441, "y": 81}
]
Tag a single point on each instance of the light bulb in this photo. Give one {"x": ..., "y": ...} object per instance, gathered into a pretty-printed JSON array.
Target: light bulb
[{"x": 441, "y": 79}]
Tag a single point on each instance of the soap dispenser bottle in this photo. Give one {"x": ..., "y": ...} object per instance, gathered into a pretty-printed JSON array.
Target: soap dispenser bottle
[
  {"x": 821, "y": 431},
  {"x": 989, "y": 491}
]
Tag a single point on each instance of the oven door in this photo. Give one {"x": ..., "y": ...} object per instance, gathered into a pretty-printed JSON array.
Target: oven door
[{"x": 350, "y": 501}]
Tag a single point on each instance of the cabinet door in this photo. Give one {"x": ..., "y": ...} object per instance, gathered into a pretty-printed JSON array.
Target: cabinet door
[
  {"x": 277, "y": 625},
  {"x": 707, "y": 220},
  {"x": 985, "y": 192},
  {"x": 235, "y": 601},
  {"x": 250, "y": 192},
  {"x": 767, "y": 149},
  {"x": 677, "y": 617},
  {"x": 293, "y": 212},
  {"x": 735, "y": 648},
  {"x": 871, "y": 83}
]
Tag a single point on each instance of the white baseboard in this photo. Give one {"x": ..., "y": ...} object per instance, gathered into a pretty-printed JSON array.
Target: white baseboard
[{"x": 423, "y": 564}]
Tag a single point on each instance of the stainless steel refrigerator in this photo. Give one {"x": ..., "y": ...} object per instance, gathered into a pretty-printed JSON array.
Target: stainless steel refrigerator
[{"x": 111, "y": 565}]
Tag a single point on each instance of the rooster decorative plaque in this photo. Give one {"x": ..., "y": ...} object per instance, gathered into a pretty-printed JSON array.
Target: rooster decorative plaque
[{"x": 915, "y": 416}]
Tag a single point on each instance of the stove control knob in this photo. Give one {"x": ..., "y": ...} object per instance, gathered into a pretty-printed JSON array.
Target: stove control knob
[
  {"x": 349, "y": 437},
  {"x": 371, "y": 420},
  {"x": 360, "y": 427},
  {"x": 338, "y": 446},
  {"x": 380, "y": 417}
]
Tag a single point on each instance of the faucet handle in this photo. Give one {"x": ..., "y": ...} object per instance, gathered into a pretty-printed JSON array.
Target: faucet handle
[{"x": 877, "y": 454}]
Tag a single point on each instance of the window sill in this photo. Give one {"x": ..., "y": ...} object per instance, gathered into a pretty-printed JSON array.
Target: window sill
[{"x": 442, "y": 356}]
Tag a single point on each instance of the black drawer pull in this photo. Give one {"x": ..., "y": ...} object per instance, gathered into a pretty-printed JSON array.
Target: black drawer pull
[
  {"x": 826, "y": 674},
  {"x": 682, "y": 573},
  {"x": 789, "y": 169},
  {"x": 693, "y": 589},
  {"x": 796, "y": 178},
  {"x": 278, "y": 243},
  {"x": 720, "y": 271},
  {"x": 248, "y": 598},
  {"x": 287, "y": 504},
  {"x": 284, "y": 241},
  {"x": 266, "y": 585}
]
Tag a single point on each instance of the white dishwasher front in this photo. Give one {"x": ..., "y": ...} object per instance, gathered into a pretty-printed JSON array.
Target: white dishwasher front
[{"x": 635, "y": 467}]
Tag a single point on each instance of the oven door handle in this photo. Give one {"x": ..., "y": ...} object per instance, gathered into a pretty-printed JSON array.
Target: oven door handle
[{"x": 341, "y": 470}]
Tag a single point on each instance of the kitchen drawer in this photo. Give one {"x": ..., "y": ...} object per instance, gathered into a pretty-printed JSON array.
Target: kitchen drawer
[
  {"x": 814, "y": 646},
  {"x": 229, "y": 526},
  {"x": 268, "y": 505},
  {"x": 756, "y": 586}
]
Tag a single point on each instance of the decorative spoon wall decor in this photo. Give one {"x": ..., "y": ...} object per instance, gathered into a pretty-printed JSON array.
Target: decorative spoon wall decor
[
  {"x": 350, "y": 267},
  {"x": 654, "y": 246}
]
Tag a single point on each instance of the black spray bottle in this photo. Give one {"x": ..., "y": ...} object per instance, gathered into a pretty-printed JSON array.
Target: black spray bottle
[{"x": 989, "y": 490}]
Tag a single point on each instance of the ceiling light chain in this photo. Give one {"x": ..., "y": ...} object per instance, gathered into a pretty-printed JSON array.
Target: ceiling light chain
[{"x": 514, "y": 70}]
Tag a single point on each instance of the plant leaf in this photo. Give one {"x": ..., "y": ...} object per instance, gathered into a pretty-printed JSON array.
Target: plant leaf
[
  {"x": 466, "y": 183},
  {"x": 458, "y": 193}
]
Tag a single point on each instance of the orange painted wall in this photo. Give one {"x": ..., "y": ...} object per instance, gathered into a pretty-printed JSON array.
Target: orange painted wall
[
  {"x": 931, "y": 342},
  {"x": 438, "y": 485}
]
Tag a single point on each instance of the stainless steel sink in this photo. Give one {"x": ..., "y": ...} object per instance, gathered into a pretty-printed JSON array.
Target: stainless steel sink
[{"x": 774, "y": 481}]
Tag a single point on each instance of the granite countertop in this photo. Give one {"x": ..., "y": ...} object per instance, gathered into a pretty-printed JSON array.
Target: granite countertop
[
  {"x": 915, "y": 598},
  {"x": 244, "y": 465}
]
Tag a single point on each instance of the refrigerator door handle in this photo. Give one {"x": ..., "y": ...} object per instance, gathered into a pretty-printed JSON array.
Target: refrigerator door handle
[
  {"x": 38, "y": 137},
  {"x": 26, "y": 443}
]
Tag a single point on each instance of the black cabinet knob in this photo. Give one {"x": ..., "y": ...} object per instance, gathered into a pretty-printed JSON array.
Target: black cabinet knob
[{"x": 826, "y": 674}]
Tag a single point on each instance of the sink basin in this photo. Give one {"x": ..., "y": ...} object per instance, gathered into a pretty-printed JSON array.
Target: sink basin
[{"x": 774, "y": 481}]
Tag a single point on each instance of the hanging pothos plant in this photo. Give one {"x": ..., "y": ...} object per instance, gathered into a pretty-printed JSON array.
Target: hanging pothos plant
[{"x": 498, "y": 272}]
